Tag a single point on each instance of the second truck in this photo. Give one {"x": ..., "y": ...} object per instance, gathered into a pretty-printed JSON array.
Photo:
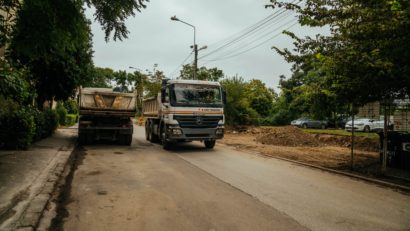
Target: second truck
[
  {"x": 105, "y": 115},
  {"x": 185, "y": 110}
]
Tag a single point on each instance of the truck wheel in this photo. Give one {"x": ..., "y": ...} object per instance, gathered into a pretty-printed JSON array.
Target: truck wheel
[
  {"x": 127, "y": 139},
  {"x": 366, "y": 128},
  {"x": 89, "y": 138},
  {"x": 153, "y": 137},
  {"x": 209, "y": 144},
  {"x": 147, "y": 132},
  {"x": 165, "y": 144},
  {"x": 81, "y": 139}
]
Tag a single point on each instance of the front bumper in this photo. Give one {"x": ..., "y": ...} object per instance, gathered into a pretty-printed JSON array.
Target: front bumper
[
  {"x": 191, "y": 134},
  {"x": 119, "y": 130},
  {"x": 356, "y": 128}
]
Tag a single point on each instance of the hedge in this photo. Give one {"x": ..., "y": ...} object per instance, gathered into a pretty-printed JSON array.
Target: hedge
[
  {"x": 20, "y": 126},
  {"x": 17, "y": 127},
  {"x": 71, "y": 119}
]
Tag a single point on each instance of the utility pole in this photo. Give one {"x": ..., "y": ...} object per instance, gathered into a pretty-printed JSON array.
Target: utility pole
[
  {"x": 195, "y": 46},
  {"x": 195, "y": 60}
]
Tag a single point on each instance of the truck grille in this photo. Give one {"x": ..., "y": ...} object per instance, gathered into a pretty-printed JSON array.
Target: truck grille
[{"x": 198, "y": 121}]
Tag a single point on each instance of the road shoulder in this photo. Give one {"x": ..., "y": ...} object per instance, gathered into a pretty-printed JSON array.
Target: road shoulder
[{"x": 29, "y": 178}]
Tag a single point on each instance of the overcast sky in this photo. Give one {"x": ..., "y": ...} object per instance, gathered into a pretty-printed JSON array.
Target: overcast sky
[{"x": 155, "y": 39}]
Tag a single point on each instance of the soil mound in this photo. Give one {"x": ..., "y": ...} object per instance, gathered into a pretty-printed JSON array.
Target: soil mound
[
  {"x": 362, "y": 143},
  {"x": 287, "y": 136}
]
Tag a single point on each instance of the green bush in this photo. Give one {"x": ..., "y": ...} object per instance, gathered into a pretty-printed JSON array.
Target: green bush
[
  {"x": 62, "y": 113},
  {"x": 17, "y": 127},
  {"x": 71, "y": 119},
  {"x": 282, "y": 117},
  {"x": 51, "y": 122},
  {"x": 71, "y": 106},
  {"x": 40, "y": 122}
]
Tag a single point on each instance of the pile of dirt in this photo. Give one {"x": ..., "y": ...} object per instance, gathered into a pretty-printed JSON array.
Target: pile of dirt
[
  {"x": 295, "y": 137},
  {"x": 286, "y": 136},
  {"x": 361, "y": 143}
]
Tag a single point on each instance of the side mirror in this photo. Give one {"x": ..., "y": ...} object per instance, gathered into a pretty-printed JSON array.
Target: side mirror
[
  {"x": 163, "y": 100},
  {"x": 224, "y": 97}
]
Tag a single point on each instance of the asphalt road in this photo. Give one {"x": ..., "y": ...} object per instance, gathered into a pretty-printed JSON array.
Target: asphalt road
[{"x": 143, "y": 187}]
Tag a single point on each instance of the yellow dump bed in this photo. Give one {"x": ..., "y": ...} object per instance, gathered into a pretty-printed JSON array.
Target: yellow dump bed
[
  {"x": 151, "y": 107},
  {"x": 106, "y": 102}
]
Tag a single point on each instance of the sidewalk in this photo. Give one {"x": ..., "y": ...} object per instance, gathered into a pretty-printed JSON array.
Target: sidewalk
[{"x": 28, "y": 178}]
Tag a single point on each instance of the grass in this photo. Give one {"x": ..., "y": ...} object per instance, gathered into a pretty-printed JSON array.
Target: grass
[{"x": 341, "y": 133}]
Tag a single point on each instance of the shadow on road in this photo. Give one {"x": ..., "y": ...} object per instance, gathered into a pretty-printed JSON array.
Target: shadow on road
[{"x": 189, "y": 147}]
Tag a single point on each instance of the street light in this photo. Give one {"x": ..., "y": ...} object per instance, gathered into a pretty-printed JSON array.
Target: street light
[{"x": 195, "y": 46}]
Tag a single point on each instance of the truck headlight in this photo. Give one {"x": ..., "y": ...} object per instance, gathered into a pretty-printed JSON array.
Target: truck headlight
[
  {"x": 176, "y": 131},
  {"x": 220, "y": 131}
]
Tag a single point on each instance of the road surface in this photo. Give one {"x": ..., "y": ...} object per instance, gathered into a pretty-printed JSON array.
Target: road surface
[{"x": 144, "y": 187}]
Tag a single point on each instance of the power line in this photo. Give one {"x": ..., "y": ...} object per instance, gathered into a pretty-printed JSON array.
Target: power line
[
  {"x": 254, "y": 47},
  {"x": 255, "y": 38},
  {"x": 239, "y": 38},
  {"x": 248, "y": 32},
  {"x": 183, "y": 62},
  {"x": 242, "y": 31}
]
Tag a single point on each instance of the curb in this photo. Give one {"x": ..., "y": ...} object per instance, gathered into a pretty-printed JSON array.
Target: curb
[
  {"x": 41, "y": 209},
  {"x": 352, "y": 175}
]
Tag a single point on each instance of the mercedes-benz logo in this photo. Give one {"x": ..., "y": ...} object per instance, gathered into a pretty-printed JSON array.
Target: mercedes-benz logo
[{"x": 198, "y": 120}]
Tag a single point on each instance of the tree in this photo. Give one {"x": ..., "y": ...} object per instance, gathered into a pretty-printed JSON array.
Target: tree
[
  {"x": 238, "y": 110},
  {"x": 56, "y": 47},
  {"x": 154, "y": 83},
  {"x": 100, "y": 77},
  {"x": 7, "y": 9},
  {"x": 363, "y": 59},
  {"x": 260, "y": 97},
  {"x": 213, "y": 74},
  {"x": 111, "y": 14}
]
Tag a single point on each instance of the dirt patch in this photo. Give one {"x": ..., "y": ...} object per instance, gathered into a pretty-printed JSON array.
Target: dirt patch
[
  {"x": 290, "y": 136},
  {"x": 287, "y": 136},
  {"x": 289, "y": 142},
  {"x": 361, "y": 143}
]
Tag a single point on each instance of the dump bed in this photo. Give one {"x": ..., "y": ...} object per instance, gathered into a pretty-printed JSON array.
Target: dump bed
[
  {"x": 106, "y": 102},
  {"x": 151, "y": 107}
]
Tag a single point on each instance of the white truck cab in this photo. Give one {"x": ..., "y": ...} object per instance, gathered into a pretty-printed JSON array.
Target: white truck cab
[{"x": 186, "y": 110}]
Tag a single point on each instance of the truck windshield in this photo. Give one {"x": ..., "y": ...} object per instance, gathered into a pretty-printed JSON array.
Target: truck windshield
[{"x": 196, "y": 95}]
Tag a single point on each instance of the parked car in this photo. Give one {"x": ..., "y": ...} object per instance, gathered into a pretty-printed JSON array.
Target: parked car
[
  {"x": 309, "y": 123},
  {"x": 339, "y": 122},
  {"x": 365, "y": 125}
]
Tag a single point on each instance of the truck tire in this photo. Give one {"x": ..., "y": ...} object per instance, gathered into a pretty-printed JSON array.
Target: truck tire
[
  {"x": 84, "y": 139},
  {"x": 125, "y": 139},
  {"x": 153, "y": 137},
  {"x": 209, "y": 144},
  {"x": 165, "y": 143},
  {"x": 147, "y": 132},
  {"x": 366, "y": 128},
  {"x": 81, "y": 139}
]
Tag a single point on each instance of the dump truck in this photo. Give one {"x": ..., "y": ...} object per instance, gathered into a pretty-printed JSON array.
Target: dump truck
[
  {"x": 185, "y": 110},
  {"x": 105, "y": 115}
]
